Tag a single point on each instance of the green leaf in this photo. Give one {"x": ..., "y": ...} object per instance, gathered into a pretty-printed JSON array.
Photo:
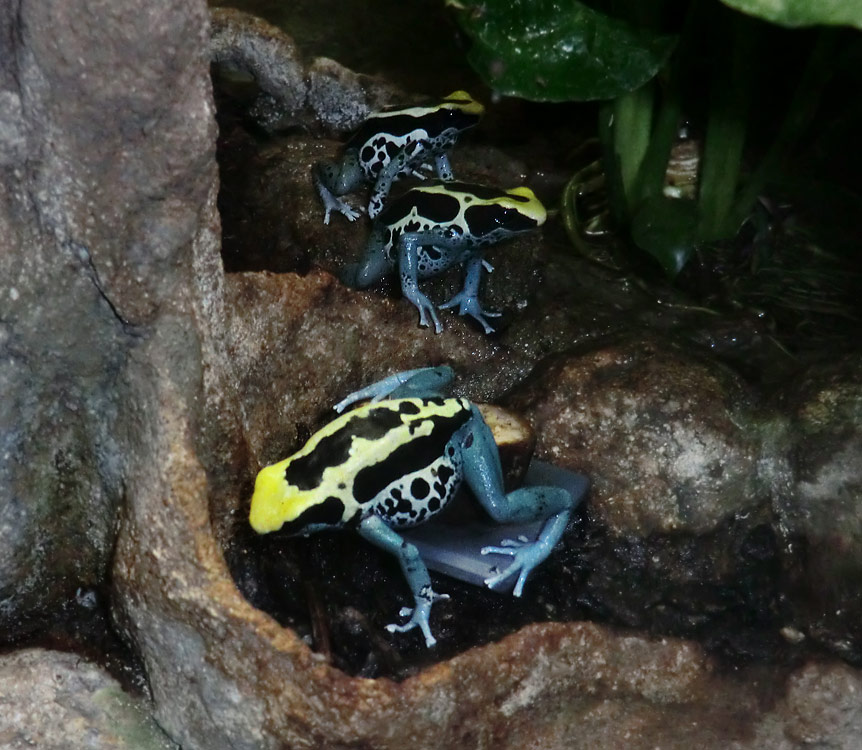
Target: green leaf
[
  {"x": 667, "y": 229},
  {"x": 559, "y": 50},
  {"x": 803, "y": 12}
]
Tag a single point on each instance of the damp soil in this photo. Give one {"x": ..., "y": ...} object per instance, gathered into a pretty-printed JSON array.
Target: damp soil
[{"x": 338, "y": 593}]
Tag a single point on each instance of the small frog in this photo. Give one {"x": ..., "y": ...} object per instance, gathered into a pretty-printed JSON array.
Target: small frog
[
  {"x": 393, "y": 143},
  {"x": 431, "y": 228},
  {"x": 394, "y": 463}
]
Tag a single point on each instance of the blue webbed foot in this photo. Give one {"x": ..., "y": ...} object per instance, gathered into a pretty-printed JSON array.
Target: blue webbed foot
[
  {"x": 528, "y": 555},
  {"x": 426, "y": 310},
  {"x": 331, "y": 203},
  {"x": 469, "y": 305},
  {"x": 419, "y": 616}
]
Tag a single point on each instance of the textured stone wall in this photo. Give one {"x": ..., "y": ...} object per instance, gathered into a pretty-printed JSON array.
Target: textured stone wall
[{"x": 106, "y": 182}]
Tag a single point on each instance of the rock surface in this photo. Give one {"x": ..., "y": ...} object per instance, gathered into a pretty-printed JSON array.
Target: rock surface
[
  {"x": 96, "y": 216},
  {"x": 56, "y": 701},
  {"x": 134, "y": 371},
  {"x": 292, "y": 91},
  {"x": 820, "y": 505},
  {"x": 670, "y": 439}
]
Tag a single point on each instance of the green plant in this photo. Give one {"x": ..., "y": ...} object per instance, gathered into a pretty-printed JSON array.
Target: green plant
[{"x": 652, "y": 64}]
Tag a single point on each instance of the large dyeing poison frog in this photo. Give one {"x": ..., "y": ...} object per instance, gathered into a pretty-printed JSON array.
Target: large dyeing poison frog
[
  {"x": 431, "y": 228},
  {"x": 395, "y": 462},
  {"x": 391, "y": 144}
]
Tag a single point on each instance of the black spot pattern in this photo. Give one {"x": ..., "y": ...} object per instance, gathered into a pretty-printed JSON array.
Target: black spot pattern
[
  {"x": 419, "y": 488},
  {"x": 418, "y": 454},
  {"x": 438, "y": 208}
]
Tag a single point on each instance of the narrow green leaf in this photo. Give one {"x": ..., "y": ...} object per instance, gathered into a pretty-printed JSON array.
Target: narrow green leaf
[{"x": 667, "y": 229}]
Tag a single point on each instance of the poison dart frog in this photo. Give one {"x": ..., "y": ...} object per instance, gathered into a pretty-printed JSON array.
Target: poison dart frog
[
  {"x": 431, "y": 228},
  {"x": 395, "y": 462},
  {"x": 394, "y": 143}
]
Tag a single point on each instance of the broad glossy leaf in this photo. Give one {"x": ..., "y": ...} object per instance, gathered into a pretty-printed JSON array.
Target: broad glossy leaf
[
  {"x": 803, "y": 12},
  {"x": 667, "y": 229},
  {"x": 559, "y": 50}
]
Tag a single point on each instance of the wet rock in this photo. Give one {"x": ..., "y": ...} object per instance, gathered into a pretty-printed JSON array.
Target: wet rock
[
  {"x": 670, "y": 441},
  {"x": 822, "y": 706},
  {"x": 249, "y": 44},
  {"x": 95, "y": 215},
  {"x": 291, "y": 91},
  {"x": 820, "y": 504},
  {"x": 283, "y": 331},
  {"x": 54, "y": 701}
]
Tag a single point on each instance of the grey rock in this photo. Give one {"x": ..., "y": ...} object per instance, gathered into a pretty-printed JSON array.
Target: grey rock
[
  {"x": 820, "y": 505},
  {"x": 292, "y": 91},
  {"x": 55, "y": 701},
  {"x": 90, "y": 232}
]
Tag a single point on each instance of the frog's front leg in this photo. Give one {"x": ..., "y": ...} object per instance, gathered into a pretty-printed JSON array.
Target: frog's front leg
[
  {"x": 379, "y": 534},
  {"x": 467, "y": 299},
  {"x": 423, "y": 381},
  {"x": 399, "y": 163},
  {"x": 332, "y": 179},
  {"x": 485, "y": 478}
]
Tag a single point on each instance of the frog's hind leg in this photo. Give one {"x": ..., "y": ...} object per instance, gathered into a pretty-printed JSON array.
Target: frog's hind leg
[
  {"x": 380, "y": 535},
  {"x": 485, "y": 478},
  {"x": 467, "y": 299},
  {"x": 447, "y": 245},
  {"x": 424, "y": 382},
  {"x": 332, "y": 179}
]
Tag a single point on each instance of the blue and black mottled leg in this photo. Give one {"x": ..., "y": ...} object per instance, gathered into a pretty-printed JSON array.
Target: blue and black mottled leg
[
  {"x": 444, "y": 168},
  {"x": 467, "y": 299},
  {"x": 423, "y": 381},
  {"x": 399, "y": 163},
  {"x": 379, "y": 534},
  {"x": 449, "y": 246},
  {"x": 485, "y": 478},
  {"x": 332, "y": 179}
]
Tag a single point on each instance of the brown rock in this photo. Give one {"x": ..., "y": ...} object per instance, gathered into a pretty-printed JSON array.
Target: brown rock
[{"x": 668, "y": 440}]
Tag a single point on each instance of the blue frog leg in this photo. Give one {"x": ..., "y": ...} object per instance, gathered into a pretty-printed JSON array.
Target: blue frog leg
[
  {"x": 445, "y": 242},
  {"x": 485, "y": 478},
  {"x": 399, "y": 163},
  {"x": 423, "y": 381},
  {"x": 380, "y": 535},
  {"x": 467, "y": 299},
  {"x": 338, "y": 178}
]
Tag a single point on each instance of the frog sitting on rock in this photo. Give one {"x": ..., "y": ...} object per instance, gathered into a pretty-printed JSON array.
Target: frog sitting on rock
[
  {"x": 391, "y": 144},
  {"x": 394, "y": 463},
  {"x": 432, "y": 228}
]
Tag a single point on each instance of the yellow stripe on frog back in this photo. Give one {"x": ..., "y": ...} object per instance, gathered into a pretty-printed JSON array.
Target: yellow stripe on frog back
[{"x": 327, "y": 464}]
